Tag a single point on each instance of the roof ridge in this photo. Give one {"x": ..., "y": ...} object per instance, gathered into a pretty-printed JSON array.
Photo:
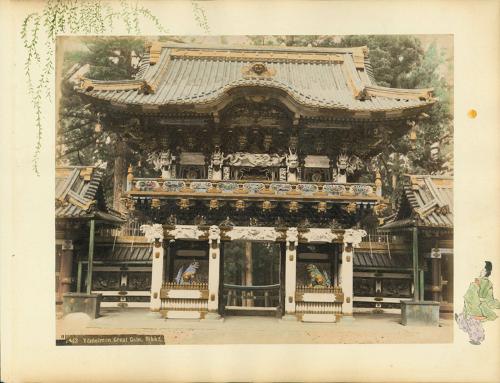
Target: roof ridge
[{"x": 273, "y": 48}]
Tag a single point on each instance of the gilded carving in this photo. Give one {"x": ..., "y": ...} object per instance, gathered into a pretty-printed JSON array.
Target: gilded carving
[
  {"x": 293, "y": 207},
  {"x": 184, "y": 203},
  {"x": 267, "y": 205},
  {"x": 351, "y": 208},
  {"x": 321, "y": 207},
  {"x": 213, "y": 204},
  {"x": 240, "y": 205}
]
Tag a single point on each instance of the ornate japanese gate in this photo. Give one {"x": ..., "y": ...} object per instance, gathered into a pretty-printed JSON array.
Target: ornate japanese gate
[{"x": 203, "y": 300}]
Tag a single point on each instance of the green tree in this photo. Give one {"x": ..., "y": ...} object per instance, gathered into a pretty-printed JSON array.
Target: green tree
[
  {"x": 81, "y": 139},
  {"x": 398, "y": 62}
]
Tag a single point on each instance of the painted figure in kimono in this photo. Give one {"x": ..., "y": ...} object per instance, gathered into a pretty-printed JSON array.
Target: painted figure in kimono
[{"x": 479, "y": 306}]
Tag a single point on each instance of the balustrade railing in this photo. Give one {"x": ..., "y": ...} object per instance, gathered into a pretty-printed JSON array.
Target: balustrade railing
[
  {"x": 251, "y": 296},
  {"x": 185, "y": 186}
]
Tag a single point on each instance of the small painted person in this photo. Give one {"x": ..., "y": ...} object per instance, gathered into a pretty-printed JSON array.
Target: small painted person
[{"x": 479, "y": 306}]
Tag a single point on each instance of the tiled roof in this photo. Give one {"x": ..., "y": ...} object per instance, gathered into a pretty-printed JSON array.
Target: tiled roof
[
  {"x": 124, "y": 253},
  {"x": 381, "y": 260},
  {"x": 77, "y": 194},
  {"x": 330, "y": 78},
  {"x": 427, "y": 201}
]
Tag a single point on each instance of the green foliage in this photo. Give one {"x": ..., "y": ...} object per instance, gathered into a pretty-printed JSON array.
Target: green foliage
[
  {"x": 113, "y": 58},
  {"x": 200, "y": 16},
  {"x": 265, "y": 263},
  {"x": 398, "y": 62},
  {"x": 78, "y": 140}
]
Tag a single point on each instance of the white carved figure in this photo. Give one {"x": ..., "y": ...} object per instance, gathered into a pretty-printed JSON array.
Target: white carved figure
[
  {"x": 253, "y": 233},
  {"x": 162, "y": 161},
  {"x": 292, "y": 163},
  {"x": 319, "y": 235},
  {"x": 186, "y": 232},
  {"x": 214, "y": 234},
  {"x": 354, "y": 237},
  {"x": 292, "y": 235},
  {"x": 216, "y": 162},
  {"x": 347, "y": 165},
  {"x": 254, "y": 159},
  {"x": 153, "y": 232}
]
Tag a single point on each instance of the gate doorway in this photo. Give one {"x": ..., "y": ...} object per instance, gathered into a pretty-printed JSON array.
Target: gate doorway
[{"x": 252, "y": 278}]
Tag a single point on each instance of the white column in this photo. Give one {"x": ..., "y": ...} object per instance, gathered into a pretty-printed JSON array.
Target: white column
[
  {"x": 352, "y": 239},
  {"x": 156, "y": 276},
  {"x": 346, "y": 276},
  {"x": 154, "y": 235},
  {"x": 213, "y": 269},
  {"x": 291, "y": 270}
]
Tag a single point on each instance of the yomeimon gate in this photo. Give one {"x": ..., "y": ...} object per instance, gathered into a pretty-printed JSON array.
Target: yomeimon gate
[{"x": 250, "y": 179}]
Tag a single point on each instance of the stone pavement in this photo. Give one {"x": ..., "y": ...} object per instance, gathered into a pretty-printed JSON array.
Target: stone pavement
[{"x": 366, "y": 328}]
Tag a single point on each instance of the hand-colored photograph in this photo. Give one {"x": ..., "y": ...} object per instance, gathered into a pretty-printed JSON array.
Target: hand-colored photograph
[{"x": 257, "y": 190}]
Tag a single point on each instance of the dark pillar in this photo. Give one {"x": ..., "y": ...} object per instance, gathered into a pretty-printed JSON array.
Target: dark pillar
[
  {"x": 436, "y": 275},
  {"x": 65, "y": 269},
  {"x": 120, "y": 173},
  {"x": 416, "y": 277},
  {"x": 248, "y": 271},
  {"x": 90, "y": 256}
]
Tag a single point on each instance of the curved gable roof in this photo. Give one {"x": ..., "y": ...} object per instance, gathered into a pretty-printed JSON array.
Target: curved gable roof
[{"x": 329, "y": 78}]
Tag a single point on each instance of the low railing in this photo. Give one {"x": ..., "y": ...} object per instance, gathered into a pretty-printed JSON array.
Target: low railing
[
  {"x": 160, "y": 186},
  {"x": 236, "y": 296},
  {"x": 318, "y": 303},
  {"x": 185, "y": 286},
  {"x": 188, "y": 301}
]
